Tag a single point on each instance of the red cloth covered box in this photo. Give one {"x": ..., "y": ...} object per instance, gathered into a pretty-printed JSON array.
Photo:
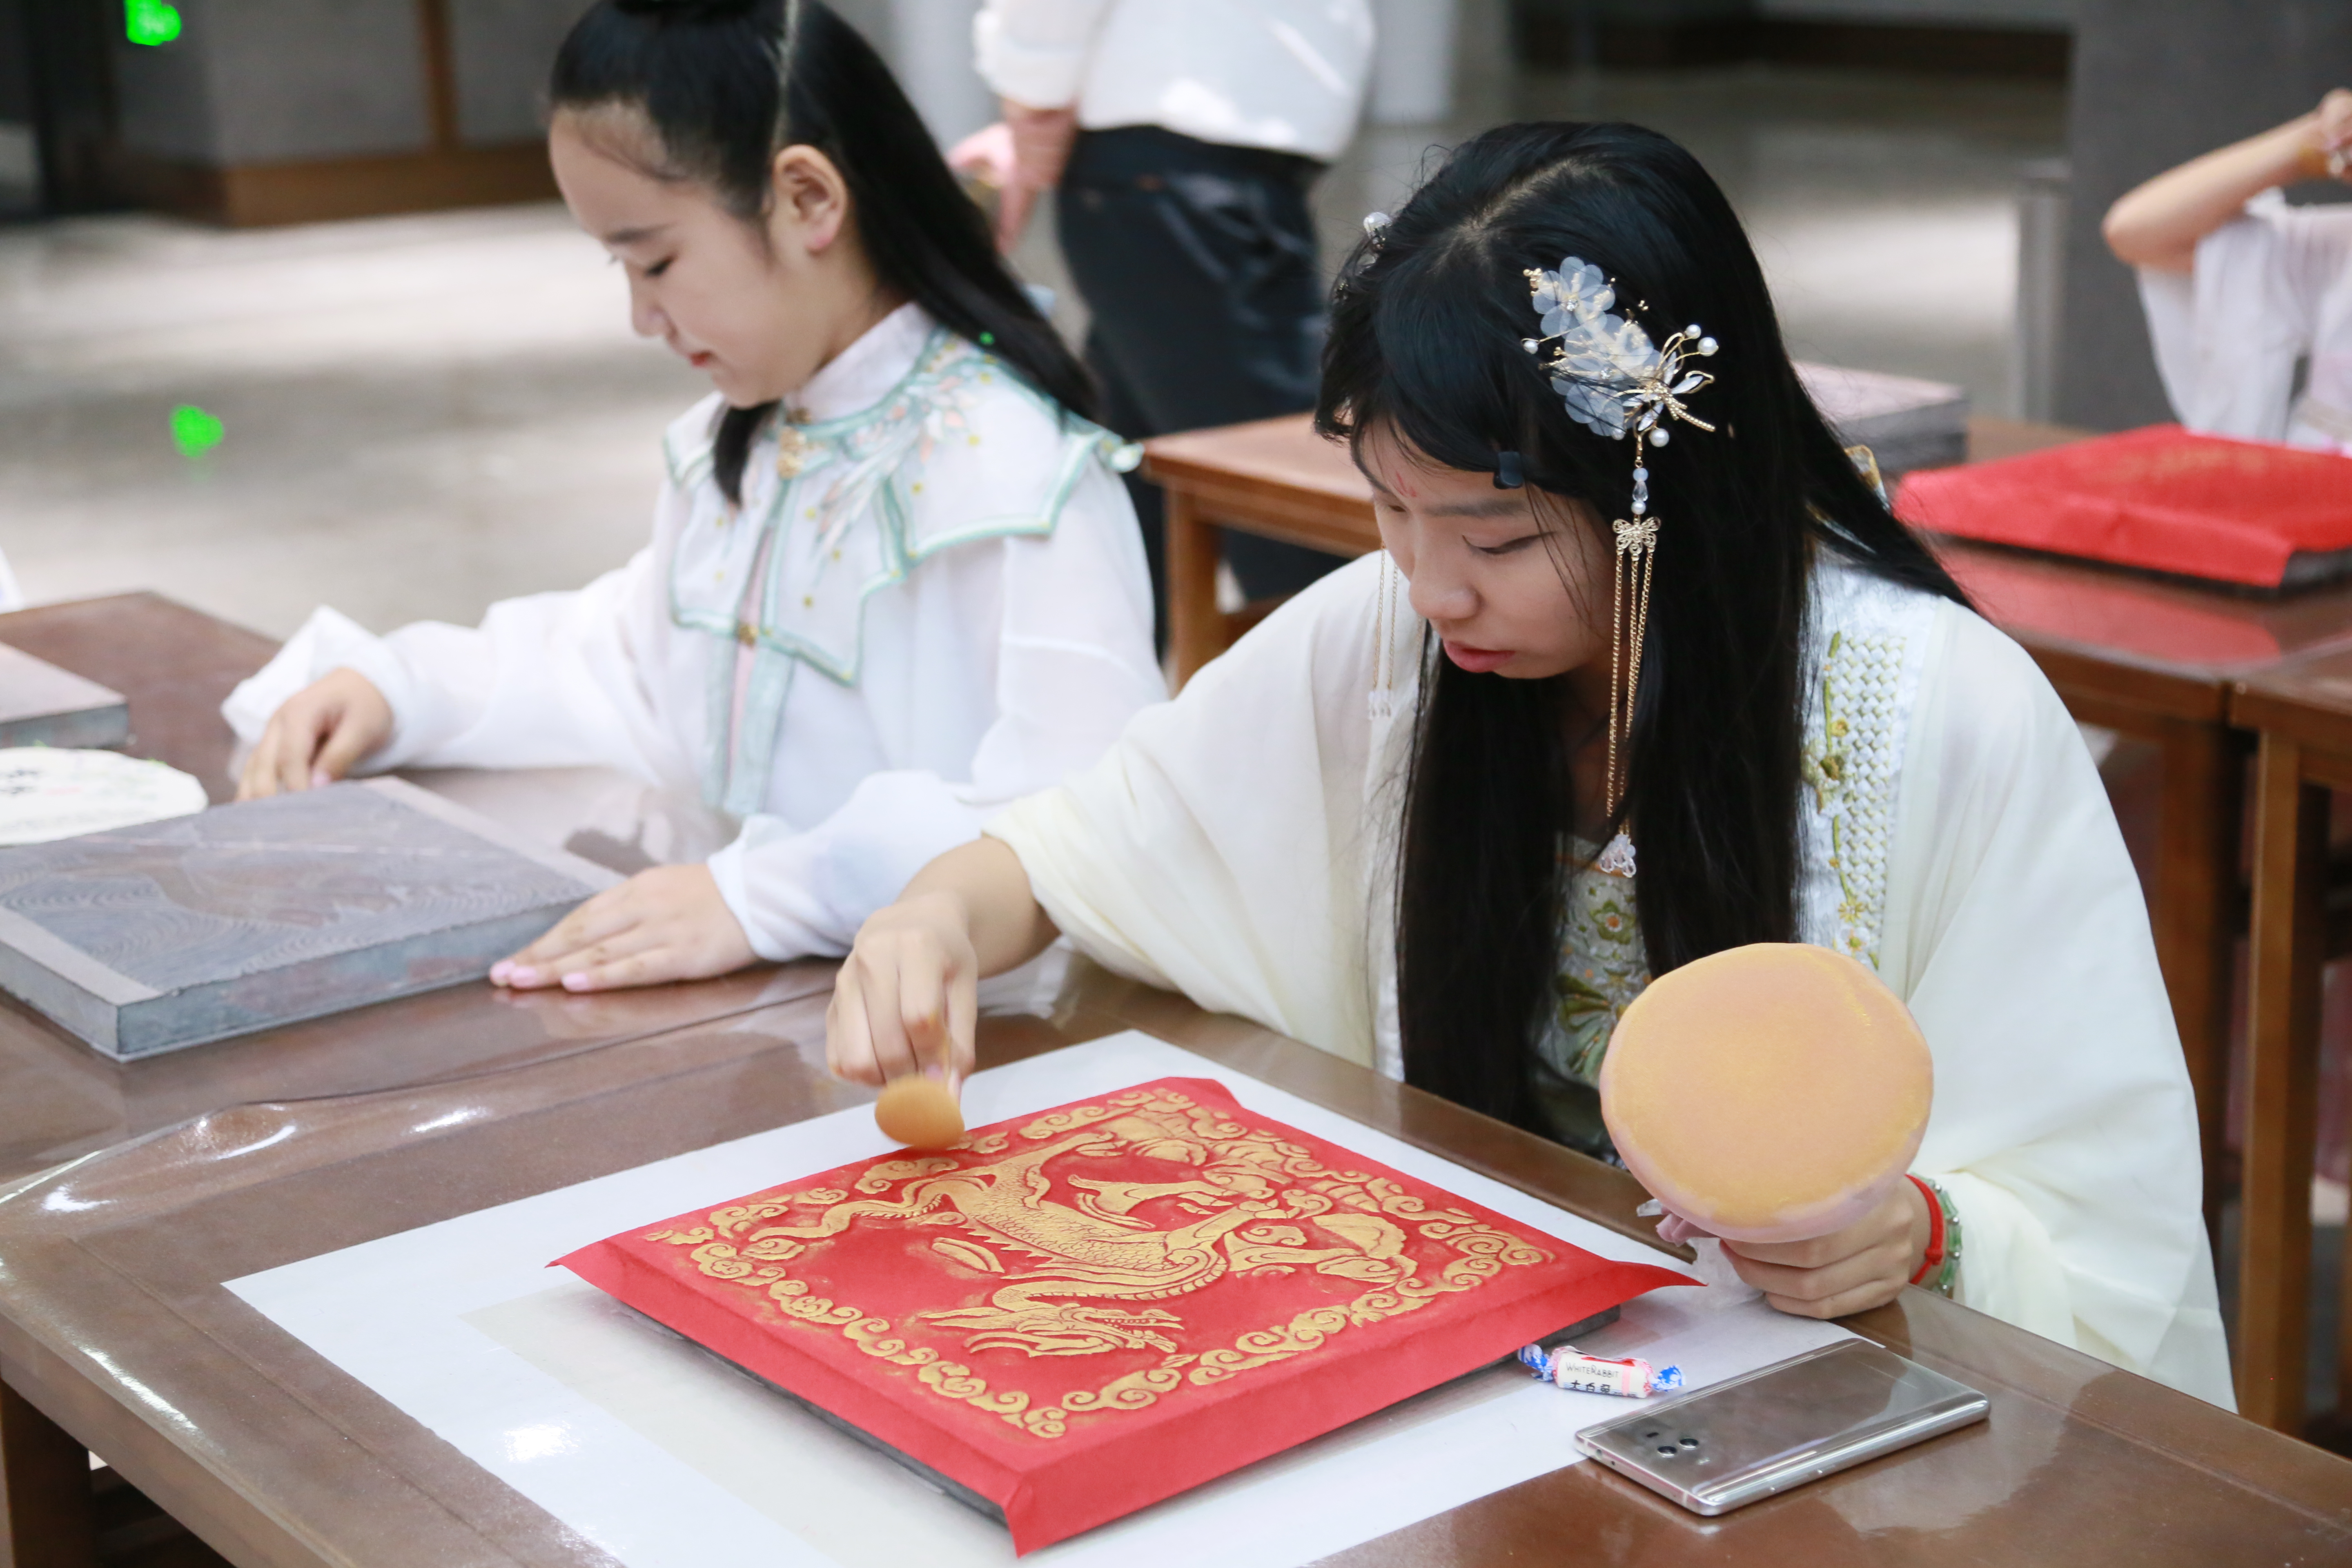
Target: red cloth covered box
[
  {"x": 2160, "y": 498},
  {"x": 1075, "y": 1314}
]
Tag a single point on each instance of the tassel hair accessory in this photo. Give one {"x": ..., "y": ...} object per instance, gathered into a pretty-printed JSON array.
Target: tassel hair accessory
[{"x": 1615, "y": 381}]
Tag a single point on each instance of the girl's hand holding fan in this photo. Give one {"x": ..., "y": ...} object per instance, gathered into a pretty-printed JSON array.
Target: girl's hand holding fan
[{"x": 1774, "y": 1096}]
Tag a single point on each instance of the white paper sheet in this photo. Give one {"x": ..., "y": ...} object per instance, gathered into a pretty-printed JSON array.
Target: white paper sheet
[{"x": 667, "y": 1457}]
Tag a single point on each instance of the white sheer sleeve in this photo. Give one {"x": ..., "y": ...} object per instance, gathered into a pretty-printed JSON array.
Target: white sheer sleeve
[
  {"x": 2227, "y": 337},
  {"x": 547, "y": 680},
  {"x": 1071, "y": 617},
  {"x": 1218, "y": 848},
  {"x": 2064, "y": 1125}
]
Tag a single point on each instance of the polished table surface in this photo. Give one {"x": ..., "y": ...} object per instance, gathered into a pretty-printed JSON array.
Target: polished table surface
[
  {"x": 61, "y": 1099},
  {"x": 116, "y": 1324},
  {"x": 174, "y": 665},
  {"x": 113, "y": 1320}
]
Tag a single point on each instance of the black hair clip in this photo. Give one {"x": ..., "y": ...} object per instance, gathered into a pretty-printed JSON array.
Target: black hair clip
[{"x": 1508, "y": 473}]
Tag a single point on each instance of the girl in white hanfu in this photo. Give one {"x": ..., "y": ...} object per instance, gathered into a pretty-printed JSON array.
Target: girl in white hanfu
[
  {"x": 2242, "y": 291},
  {"x": 1446, "y": 811},
  {"x": 894, "y": 580}
]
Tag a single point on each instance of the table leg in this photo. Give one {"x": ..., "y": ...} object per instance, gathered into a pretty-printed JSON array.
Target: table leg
[
  {"x": 46, "y": 1519},
  {"x": 2198, "y": 814},
  {"x": 2344, "y": 1341},
  {"x": 2283, "y": 1081},
  {"x": 1196, "y": 627}
]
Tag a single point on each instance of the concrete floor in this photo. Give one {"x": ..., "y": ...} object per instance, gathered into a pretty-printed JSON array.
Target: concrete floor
[
  {"x": 421, "y": 415},
  {"x": 424, "y": 414}
]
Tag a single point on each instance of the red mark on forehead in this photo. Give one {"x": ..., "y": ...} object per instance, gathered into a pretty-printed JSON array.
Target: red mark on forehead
[{"x": 1402, "y": 482}]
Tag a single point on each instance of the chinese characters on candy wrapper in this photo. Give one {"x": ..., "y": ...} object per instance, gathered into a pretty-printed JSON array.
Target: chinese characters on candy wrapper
[{"x": 1628, "y": 1377}]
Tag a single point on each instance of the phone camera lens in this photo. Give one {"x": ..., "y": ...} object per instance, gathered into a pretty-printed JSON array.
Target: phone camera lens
[
  {"x": 1668, "y": 1449},
  {"x": 1690, "y": 1442}
]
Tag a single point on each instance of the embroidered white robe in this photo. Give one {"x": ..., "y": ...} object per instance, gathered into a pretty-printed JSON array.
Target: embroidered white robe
[
  {"x": 1238, "y": 845},
  {"x": 952, "y": 612}
]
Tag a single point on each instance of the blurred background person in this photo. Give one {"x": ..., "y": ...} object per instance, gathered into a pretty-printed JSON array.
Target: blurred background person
[
  {"x": 2241, "y": 289},
  {"x": 1184, "y": 140}
]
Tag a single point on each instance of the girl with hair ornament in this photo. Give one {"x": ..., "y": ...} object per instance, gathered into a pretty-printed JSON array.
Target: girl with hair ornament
[
  {"x": 1377, "y": 824},
  {"x": 894, "y": 580}
]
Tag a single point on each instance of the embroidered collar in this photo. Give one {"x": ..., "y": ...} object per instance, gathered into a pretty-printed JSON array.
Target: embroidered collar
[{"x": 783, "y": 580}]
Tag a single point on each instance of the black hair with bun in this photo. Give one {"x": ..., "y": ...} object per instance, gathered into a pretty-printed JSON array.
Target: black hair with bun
[{"x": 727, "y": 84}]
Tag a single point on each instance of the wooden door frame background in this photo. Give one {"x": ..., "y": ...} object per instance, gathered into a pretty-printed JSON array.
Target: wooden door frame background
[{"x": 447, "y": 171}]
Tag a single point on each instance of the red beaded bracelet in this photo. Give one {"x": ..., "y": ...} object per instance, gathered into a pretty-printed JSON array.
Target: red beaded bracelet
[{"x": 1935, "y": 1256}]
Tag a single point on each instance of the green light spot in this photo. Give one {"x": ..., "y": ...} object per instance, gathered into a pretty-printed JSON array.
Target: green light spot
[
  {"x": 986, "y": 339},
  {"x": 195, "y": 432},
  {"x": 150, "y": 21}
]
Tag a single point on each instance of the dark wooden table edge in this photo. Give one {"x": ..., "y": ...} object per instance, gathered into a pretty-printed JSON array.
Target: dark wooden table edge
[{"x": 107, "y": 1417}]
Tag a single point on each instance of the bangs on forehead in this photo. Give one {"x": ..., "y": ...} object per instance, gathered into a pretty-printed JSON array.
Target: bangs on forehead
[{"x": 1442, "y": 381}]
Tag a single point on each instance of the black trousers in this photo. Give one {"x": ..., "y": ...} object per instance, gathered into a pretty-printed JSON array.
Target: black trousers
[{"x": 1198, "y": 263}]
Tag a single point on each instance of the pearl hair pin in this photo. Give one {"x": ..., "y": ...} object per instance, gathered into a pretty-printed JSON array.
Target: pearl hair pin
[{"x": 1615, "y": 381}]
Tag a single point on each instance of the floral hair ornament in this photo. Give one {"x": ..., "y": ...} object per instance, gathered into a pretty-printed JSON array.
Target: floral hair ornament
[{"x": 1614, "y": 381}]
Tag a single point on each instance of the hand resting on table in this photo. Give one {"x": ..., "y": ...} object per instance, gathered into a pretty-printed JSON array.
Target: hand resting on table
[{"x": 664, "y": 924}]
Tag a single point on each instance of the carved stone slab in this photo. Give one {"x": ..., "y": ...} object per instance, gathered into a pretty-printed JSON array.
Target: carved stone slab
[
  {"x": 41, "y": 705},
  {"x": 1906, "y": 423},
  {"x": 146, "y": 939}
]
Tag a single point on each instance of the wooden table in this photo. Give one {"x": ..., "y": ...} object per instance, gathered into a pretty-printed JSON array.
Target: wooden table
[
  {"x": 2303, "y": 713},
  {"x": 60, "y": 1099},
  {"x": 116, "y": 1332},
  {"x": 173, "y": 664},
  {"x": 2151, "y": 659}
]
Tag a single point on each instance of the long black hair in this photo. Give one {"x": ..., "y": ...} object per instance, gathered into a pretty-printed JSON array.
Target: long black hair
[
  {"x": 1425, "y": 340},
  {"x": 727, "y": 84}
]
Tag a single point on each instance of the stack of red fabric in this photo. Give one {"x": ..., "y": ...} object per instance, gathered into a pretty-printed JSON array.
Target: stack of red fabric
[
  {"x": 2160, "y": 498},
  {"x": 1072, "y": 1315}
]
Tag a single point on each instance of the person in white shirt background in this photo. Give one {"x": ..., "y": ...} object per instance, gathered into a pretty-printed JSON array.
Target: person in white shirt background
[
  {"x": 894, "y": 582},
  {"x": 1182, "y": 139},
  {"x": 2241, "y": 289}
]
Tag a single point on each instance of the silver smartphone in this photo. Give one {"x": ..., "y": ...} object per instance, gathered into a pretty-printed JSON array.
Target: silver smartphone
[{"x": 1781, "y": 1425}]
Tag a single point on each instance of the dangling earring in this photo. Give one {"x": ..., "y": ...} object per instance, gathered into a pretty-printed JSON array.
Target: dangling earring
[{"x": 1630, "y": 564}]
